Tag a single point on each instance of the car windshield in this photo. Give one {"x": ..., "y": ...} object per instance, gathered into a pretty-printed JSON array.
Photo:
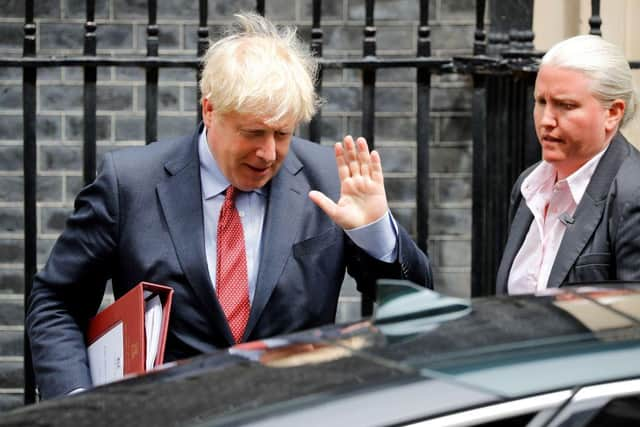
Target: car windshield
[
  {"x": 515, "y": 346},
  {"x": 510, "y": 346}
]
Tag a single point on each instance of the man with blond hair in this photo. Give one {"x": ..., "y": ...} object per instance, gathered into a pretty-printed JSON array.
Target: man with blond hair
[{"x": 238, "y": 218}]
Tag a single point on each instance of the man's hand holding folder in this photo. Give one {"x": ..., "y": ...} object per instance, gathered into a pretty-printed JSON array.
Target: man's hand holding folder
[{"x": 128, "y": 337}]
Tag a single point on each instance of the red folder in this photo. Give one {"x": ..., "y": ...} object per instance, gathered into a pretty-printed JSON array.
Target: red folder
[{"x": 129, "y": 311}]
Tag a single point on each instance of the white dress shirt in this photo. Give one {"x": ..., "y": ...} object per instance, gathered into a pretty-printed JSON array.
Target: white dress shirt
[
  {"x": 379, "y": 239},
  {"x": 552, "y": 205}
]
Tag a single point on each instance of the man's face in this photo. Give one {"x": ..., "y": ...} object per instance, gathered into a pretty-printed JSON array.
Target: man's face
[
  {"x": 248, "y": 151},
  {"x": 571, "y": 124}
]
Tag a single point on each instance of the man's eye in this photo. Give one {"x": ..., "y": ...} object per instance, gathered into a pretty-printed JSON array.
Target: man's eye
[
  {"x": 568, "y": 106},
  {"x": 540, "y": 101}
]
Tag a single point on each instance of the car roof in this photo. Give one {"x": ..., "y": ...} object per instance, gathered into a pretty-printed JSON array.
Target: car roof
[{"x": 462, "y": 355}]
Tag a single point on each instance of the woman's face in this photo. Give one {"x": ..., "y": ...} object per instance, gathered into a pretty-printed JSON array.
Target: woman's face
[{"x": 571, "y": 124}]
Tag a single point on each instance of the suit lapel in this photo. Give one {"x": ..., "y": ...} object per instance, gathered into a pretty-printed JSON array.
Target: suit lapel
[
  {"x": 589, "y": 211},
  {"x": 180, "y": 196},
  {"x": 517, "y": 233},
  {"x": 287, "y": 195}
]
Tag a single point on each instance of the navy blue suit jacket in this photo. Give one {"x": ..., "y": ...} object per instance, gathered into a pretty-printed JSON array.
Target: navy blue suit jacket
[{"x": 141, "y": 219}]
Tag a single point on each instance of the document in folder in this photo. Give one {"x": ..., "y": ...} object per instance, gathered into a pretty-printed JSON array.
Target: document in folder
[{"x": 128, "y": 337}]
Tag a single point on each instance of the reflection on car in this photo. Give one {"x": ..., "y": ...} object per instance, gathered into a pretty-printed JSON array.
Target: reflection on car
[{"x": 564, "y": 357}]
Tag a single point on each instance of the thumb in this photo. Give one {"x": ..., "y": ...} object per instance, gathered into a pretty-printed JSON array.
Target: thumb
[{"x": 323, "y": 202}]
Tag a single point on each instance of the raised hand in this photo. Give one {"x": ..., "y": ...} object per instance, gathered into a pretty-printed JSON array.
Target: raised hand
[{"x": 362, "y": 196}]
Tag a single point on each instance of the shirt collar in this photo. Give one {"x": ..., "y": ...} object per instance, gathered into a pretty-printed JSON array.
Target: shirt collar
[
  {"x": 213, "y": 180},
  {"x": 543, "y": 178}
]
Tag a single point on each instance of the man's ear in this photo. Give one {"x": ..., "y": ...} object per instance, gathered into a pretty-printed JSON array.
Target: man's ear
[
  {"x": 207, "y": 112},
  {"x": 615, "y": 113}
]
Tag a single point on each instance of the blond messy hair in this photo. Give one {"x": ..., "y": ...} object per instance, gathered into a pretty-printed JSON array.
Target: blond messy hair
[{"x": 261, "y": 70}]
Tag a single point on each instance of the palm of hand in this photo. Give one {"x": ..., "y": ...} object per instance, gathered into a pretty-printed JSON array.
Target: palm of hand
[
  {"x": 362, "y": 201},
  {"x": 362, "y": 196}
]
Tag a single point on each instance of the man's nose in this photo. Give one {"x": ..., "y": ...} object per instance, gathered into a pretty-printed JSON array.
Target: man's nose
[{"x": 267, "y": 150}]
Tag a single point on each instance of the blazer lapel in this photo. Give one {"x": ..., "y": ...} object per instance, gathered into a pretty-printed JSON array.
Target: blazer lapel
[
  {"x": 589, "y": 211},
  {"x": 181, "y": 200},
  {"x": 519, "y": 228},
  {"x": 287, "y": 195}
]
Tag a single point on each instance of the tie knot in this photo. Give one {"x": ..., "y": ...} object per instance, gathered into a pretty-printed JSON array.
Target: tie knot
[
  {"x": 229, "y": 204},
  {"x": 230, "y": 193}
]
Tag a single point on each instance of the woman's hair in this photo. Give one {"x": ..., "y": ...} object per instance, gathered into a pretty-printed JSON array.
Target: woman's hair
[
  {"x": 603, "y": 63},
  {"x": 261, "y": 70}
]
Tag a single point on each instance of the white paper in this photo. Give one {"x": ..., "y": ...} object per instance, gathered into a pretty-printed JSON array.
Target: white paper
[
  {"x": 106, "y": 356},
  {"x": 152, "y": 326}
]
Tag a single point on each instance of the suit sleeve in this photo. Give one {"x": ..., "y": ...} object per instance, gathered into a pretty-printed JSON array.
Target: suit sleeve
[
  {"x": 69, "y": 289},
  {"x": 412, "y": 265},
  {"x": 626, "y": 228}
]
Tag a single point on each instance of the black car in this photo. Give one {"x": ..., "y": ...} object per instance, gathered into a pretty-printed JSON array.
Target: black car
[{"x": 565, "y": 357}]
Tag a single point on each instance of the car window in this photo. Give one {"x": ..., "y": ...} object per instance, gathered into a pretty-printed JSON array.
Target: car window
[
  {"x": 505, "y": 414},
  {"x": 513, "y": 421},
  {"x": 621, "y": 412},
  {"x": 517, "y": 421},
  {"x": 609, "y": 404}
]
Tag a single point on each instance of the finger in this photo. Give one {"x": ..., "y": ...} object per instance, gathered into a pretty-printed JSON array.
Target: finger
[
  {"x": 323, "y": 202},
  {"x": 341, "y": 162},
  {"x": 351, "y": 156},
  {"x": 363, "y": 156},
  {"x": 376, "y": 167}
]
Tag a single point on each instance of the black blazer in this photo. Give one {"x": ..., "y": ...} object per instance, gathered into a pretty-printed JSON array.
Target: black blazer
[
  {"x": 604, "y": 241},
  {"x": 142, "y": 220}
]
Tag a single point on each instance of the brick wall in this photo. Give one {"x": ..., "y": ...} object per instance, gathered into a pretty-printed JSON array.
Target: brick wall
[{"x": 120, "y": 120}]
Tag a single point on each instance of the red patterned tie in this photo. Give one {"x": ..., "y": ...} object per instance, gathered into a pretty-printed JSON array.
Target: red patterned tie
[{"x": 232, "y": 284}]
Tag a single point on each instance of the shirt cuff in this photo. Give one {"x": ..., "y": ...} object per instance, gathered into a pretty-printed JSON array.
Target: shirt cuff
[{"x": 379, "y": 238}]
